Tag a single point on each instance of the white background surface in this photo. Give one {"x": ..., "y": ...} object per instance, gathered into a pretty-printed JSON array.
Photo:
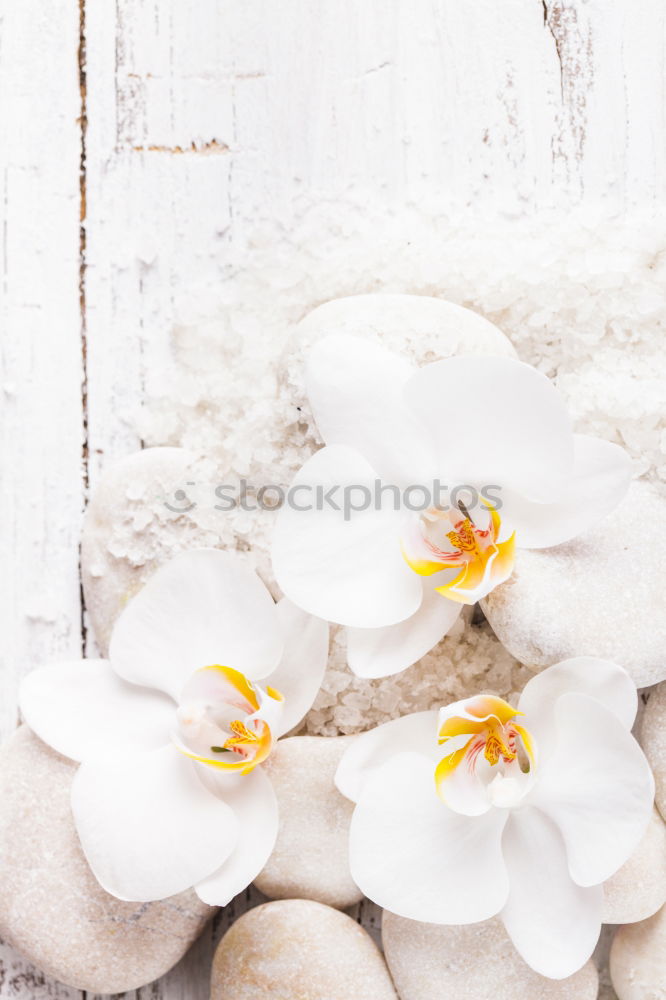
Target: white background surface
[{"x": 144, "y": 141}]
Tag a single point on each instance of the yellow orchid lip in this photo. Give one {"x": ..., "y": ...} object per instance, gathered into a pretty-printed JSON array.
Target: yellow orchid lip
[
  {"x": 483, "y": 728},
  {"x": 224, "y": 720},
  {"x": 481, "y": 560},
  {"x": 240, "y": 766}
]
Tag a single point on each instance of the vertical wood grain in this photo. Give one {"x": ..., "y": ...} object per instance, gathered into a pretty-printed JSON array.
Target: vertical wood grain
[
  {"x": 42, "y": 428},
  {"x": 41, "y": 423}
]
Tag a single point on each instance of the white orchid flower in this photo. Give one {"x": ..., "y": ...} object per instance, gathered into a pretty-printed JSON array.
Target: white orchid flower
[
  {"x": 171, "y": 731},
  {"x": 485, "y": 809},
  {"x": 397, "y": 578}
]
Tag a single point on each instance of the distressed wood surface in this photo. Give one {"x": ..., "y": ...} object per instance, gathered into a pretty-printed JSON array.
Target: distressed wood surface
[
  {"x": 142, "y": 143},
  {"x": 42, "y": 392}
]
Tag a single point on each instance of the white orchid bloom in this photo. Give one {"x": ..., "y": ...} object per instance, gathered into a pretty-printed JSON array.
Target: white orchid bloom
[
  {"x": 397, "y": 578},
  {"x": 172, "y": 729},
  {"x": 484, "y": 809}
]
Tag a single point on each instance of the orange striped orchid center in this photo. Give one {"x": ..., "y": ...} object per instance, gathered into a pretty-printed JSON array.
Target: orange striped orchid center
[
  {"x": 226, "y": 721},
  {"x": 450, "y": 540},
  {"x": 489, "y": 757}
]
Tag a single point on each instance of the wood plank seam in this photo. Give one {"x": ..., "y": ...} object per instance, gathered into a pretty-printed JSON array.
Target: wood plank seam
[{"x": 83, "y": 84}]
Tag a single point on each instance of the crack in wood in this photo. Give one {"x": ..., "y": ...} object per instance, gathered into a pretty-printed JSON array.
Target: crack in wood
[
  {"x": 211, "y": 148},
  {"x": 551, "y": 21},
  {"x": 377, "y": 69},
  {"x": 571, "y": 34},
  {"x": 83, "y": 211}
]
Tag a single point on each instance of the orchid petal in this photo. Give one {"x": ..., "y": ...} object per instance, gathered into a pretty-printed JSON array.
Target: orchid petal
[
  {"x": 471, "y": 735},
  {"x": 349, "y": 571},
  {"x": 219, "y": 683},
  {"x": 471, "y": 584},
  {"x": 148, "y": 826},
  {"x": 381, "y": 652},
  {"x": 554, "y": 924},
  {"x": 355, "y": 387},
  {"x": 479, "y": 577},
  {"x": 201, "y": 608},
  {"x": 299, "y": 674},
  {"x": 604, "y": 681},
  {"x": 502, "y": 565},
  {"x": 271, "y": 712},
  {"x": 198, "y": 739},
  {"x": 494, "y": 420},
  {"x": 412, "y": 855},
  {"x": 599, "y": 480},
  {"x": 460, "y": 788},
  {"x": 475, "y": 710},
  {"x": 254, "y": 802},
  {"x": 596, "y": 786},
  {"x": 368, "y": 751},
  {"x": 83, "y": 709},
  {"x": 419, "y": 555}
]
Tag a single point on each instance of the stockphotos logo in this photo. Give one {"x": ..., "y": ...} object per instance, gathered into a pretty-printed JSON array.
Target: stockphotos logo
[{"x": 347, "y": 499}]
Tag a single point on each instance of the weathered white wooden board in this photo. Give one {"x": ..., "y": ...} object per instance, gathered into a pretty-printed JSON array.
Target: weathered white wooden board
[
  {"x": 194, "y": 120},
  {"x": 41, "y": 386}
]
